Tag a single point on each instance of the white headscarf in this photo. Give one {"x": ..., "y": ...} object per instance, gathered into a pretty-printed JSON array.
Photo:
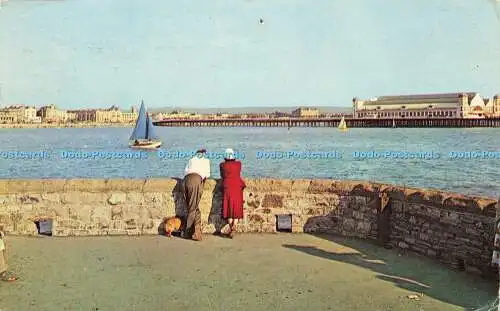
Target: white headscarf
[{"x": 229, "y": 154}]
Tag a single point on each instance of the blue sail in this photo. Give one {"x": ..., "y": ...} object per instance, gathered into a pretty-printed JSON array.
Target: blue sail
[
  {"x": 150, "y": 133},
  {"x": 140, "y": 130}
]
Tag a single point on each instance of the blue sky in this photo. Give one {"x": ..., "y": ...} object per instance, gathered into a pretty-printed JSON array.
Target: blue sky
[{"x": 214, "y": 53}]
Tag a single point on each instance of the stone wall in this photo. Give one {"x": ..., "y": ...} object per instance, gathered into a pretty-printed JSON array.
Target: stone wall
[{"x": 452, "y": 228}]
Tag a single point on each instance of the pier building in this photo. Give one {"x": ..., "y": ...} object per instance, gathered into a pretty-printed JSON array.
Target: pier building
[
  {"x": 305, "y": 112},
  {"x": 496, "y": 105},
  {"x": 175, "y": 114},
  {"x": 447, "y": 105}
]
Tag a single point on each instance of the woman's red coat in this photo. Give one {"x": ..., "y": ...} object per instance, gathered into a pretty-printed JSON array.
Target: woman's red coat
[{"x": 233, "y": 186}]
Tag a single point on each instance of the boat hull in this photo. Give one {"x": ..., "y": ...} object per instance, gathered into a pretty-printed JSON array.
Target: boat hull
[{"x": 146, "y": 145}]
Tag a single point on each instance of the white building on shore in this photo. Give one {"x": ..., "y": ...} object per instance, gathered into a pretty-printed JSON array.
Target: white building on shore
[
  {"x": 18, "y": 114},
  {"x": 448, "y": 105}
]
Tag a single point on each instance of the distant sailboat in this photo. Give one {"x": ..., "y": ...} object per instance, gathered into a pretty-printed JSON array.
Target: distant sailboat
[
  {"x": 342, "y": 125},
  {"x": 143, "y": 136},
  {"x": 393, "y": 124}
]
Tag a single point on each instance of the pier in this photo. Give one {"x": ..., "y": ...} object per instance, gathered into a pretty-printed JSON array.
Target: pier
[{"x": 332, "y": 122}]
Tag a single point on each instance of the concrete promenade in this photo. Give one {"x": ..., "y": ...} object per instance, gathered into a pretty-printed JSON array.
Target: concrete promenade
[{"x": 252, "y": 272}]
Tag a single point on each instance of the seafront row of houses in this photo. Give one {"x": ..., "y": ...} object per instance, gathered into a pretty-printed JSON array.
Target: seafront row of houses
[
  {"x": 51, "y": 114},
  {"x": 448, "y": 105}
]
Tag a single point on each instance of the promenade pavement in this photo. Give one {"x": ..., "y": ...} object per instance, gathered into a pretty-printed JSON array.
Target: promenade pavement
[{"x": 251, "y": 272}]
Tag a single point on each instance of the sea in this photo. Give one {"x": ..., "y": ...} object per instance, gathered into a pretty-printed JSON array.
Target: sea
[{"x": 465, "y": 161}]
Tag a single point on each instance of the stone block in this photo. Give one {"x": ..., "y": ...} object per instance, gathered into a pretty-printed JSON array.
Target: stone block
[
  {"x": 357, "y": 202},
  {"x": 124, "y": 185},
  {"x": 134, "y": 197},
  {"x": 160, "y": 185},
  {"x": 252, "y": 201},
  {"x": 51, "y": 197},
  {"x": 358, "y": 215},
  {"x": 297, "y": 228},
  {"x": 256, "y": 218},
  {"x": 117, "y": 232},
  {"x": 134, "y": 232},
  {"x": 25, "y": 186},
  {"x": 299, "y": 186},
  {"x": 8, "y": 199},
  {"x": 54, "y": 185},
  {"x": 348, "y": 225},
  {"x": 474, "y": 270},
  {"x": 86, "y": 185},
  {"x": 273, "y": 201},
  {"x": 321, "y": 186},
  {"x": 208, "y": 228},
  {"x": 154, "y": 198},
  {"x": 58, "y": 211},
  {"x": 117, "y": 198},
  {"x": 28, "y": 198},
  {"x": 4, "y": 186},
  {"x": 268, "y": 228},
  {"x": 397, "y": 206},
  {"x": 403, "y": 245},
  {"x": 101, "y": 223},
  {"x": 60, "y": 232},
  {"x": 268, "y": 185},
  {"x": 363, "y": 227},
  {"x": 80, "y": 197},
  {"x": 210, "y": 185}
]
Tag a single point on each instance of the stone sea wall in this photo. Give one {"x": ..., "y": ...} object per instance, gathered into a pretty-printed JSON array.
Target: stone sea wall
[{"x": 449, "y": 227}]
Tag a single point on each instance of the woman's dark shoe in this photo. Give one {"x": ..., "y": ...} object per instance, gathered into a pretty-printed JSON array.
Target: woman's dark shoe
[{"x": 232, "y": 232}]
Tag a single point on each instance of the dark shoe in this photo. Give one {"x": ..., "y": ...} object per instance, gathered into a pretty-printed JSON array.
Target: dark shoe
[
  {"x": 232, "y": 232},
  {"x": 8, "y": 277},
  {"x": 186, "y": 234}
]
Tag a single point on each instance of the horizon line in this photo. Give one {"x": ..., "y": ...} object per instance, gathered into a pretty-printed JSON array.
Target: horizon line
[{"x": 5, "y": 105}]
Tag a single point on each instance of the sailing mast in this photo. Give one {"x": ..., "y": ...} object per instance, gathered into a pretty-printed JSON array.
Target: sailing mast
[{"x": 147, "y": 126}]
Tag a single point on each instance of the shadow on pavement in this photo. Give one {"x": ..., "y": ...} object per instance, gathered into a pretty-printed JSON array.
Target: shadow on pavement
[{"x": 413, "y": 273}]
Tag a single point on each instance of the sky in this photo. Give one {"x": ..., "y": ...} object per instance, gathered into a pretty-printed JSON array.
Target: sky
[{"x": 215, "y": 53}]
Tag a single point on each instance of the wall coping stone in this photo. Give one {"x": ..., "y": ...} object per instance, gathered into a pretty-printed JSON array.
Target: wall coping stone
[{"x": 448, "y": 200}]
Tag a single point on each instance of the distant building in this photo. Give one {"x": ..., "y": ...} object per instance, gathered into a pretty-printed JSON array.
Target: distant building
[
  {"x": 83, "y": 115},
  {"x": 305, "y": 112},
  {"x": 176, "y": 114},
  {"x": 130, "y": 117},
  {"x": 9, "y": 115},
  {"x": 279, "y": 114},
  {"x": 449, "y": 105},
  {"x": 109, "y": 115},
  {"x": 496, "y": 105},
  {"x": 18, "y": 114},
  {"x": 52, "y": 114},
  {"x": 257, "y": 116}
]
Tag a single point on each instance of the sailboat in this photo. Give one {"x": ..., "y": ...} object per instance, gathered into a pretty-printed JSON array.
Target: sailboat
[
  {"x": 143, "y": 136},
  {"x": 393, "y": 124},
  {"x": 342, "y": 125}
]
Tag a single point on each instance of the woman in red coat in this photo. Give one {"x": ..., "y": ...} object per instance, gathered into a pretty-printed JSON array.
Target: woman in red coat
[{"x": 233, "y": 185}]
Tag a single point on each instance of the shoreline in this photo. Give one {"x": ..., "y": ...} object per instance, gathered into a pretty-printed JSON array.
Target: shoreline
[{"x": 66, "y": 125}]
